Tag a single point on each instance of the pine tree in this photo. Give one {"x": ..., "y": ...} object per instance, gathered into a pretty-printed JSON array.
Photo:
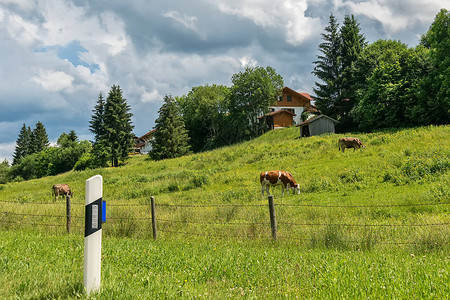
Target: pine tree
[
  {"x": 100, "y": 145},
  {"x": 39, "y": 138},
  {"x": 72, "y": 136},
  {"x": 352, "y": 43},
  {"x": 22, "y": 145},
  {"x": 335, "y": 67},
  {"x": 327, "y": 69},
  {"x": 97, "y": 123},
  {"x": 118, "y": 126},
  {"x": 170, "y": 139}
]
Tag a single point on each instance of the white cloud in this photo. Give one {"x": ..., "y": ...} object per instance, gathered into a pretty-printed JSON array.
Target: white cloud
[
  {"x": 288, "y": 15},
  {"x": 23, "y": 4},
  {"x": 54, "y": 81},
  {"x": 187, "y": 21},
  {"x": 153, "y": 96},
  {"x": 247, "y": 61},
  {"x": 395, "y": 15}
]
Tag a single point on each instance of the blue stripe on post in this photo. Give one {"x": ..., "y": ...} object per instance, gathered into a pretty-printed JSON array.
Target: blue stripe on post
[{"x": 103, "y": 211}]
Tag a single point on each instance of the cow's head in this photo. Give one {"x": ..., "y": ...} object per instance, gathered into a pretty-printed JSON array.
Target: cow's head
[{"x": 296, "y": 189}]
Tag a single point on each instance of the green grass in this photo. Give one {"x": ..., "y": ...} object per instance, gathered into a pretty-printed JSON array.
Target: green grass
[
  {"x": 45, "y": 266},
  {"x": 223, "y": 246}
]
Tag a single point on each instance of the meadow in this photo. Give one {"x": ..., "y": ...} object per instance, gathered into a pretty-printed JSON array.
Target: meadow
[{"x": 371, "y": 223}]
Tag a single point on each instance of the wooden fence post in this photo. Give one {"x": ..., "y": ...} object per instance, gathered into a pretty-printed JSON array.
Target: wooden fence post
[
  {"x": 273, "y": 220},
  {"x": 153, "y": 217},
  {"x": 68, "y": 214}
]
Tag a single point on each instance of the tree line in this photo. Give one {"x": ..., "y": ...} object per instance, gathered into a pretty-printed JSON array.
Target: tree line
[
  {"x": 386, "y": 83},
  {"x": 112, "y": 128}
]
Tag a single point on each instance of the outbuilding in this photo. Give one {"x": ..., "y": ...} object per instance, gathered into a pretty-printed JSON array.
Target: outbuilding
[{"x": 317, "y": 125}]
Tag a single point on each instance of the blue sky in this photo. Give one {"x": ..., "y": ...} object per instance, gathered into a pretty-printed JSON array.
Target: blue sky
[{"x": 57, "y": 56}]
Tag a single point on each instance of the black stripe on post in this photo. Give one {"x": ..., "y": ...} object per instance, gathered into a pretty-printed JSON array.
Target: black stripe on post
[{"x": 93, "y": 217}]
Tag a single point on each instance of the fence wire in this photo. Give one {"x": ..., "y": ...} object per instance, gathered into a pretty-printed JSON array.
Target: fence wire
[{"x": 204, "y": 234}]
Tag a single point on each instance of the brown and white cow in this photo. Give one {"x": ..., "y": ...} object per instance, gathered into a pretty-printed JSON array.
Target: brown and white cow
[
  {"x": 350, "y": 142},
  {"x": 274, "y": 178},
  {"x": 61, "y": 189}
]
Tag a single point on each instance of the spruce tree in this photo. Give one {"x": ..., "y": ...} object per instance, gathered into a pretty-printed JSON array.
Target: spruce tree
[
  {"x": 97, "y": 123},
  {"x": 22, "y": 145},
  {"x": 336, "y": 96},
  {"x": 327, "y": 69},
  {"x": 100, "y": 146},
  {"x": 118, "y": 126},
  {"x": 352, "y": 43},
  {"x": 39, "y": 138},
  {"x": 170, "y": 139}
]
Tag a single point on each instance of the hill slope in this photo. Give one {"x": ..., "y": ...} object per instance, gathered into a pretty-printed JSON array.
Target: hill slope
[{"x": 405, "y": 167}]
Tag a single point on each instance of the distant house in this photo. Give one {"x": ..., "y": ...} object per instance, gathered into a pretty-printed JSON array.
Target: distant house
[
  {"x": 279, "y": 119},
  {"x": 317, "y": 125},
  {"x": 293, "y": 102},
  {"x": 288, "y": 109},
  {"x": 142, "y": 144}
]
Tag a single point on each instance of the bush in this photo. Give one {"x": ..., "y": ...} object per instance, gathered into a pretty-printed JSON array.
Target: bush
[{"x": 86, "y": 161}]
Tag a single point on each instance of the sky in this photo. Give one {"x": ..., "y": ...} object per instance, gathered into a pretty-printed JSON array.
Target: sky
[{"x": 56, "y": 56}]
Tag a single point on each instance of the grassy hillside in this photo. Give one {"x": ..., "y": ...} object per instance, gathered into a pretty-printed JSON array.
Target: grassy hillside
[
  {"x": 406, "y": 167},
  {"x": 370, "y": 223}
]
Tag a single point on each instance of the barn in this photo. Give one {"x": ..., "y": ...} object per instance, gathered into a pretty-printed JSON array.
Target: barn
[{"x": 317, "y": 125}]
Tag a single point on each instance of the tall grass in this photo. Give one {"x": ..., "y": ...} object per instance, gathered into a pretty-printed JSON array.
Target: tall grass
[{"x": 358, "y": 242}]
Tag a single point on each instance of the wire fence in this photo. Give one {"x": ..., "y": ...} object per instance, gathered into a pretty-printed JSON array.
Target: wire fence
[{"x": 124, "y": 222}]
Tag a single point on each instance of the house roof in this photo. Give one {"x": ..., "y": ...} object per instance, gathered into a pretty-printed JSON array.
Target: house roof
[
  {"x": 148, "y": 134},
  {"x": 315, "y": 119},
  {"x": 281, "y": 111},
  {"x": 291, "y": 91}
]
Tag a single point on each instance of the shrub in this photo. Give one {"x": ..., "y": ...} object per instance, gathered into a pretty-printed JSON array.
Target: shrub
[{"x": 86, "y": 161}]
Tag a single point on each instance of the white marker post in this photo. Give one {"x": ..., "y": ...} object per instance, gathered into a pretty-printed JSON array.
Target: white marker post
[{"x": 93, "y": 234}]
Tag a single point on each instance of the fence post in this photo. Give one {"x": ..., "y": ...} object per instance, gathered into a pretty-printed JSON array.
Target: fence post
[
  {"x": 68, "y": 214},
  {"x": 152, "y": 199},
  {"x": 273, "y": 220}
]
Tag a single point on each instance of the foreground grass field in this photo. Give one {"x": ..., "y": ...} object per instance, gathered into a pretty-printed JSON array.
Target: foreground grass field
[
  {"x": 371, "y": 223},
  {"x": 43, "y": 266}
]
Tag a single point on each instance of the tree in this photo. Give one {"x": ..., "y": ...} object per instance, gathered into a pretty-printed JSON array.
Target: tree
[
  {"x": 389, "y": 97},
  {"x": 72, "y": 136},
  {"x": 97, "y": 123},
  {"x": 22, "y": 145},
  {"x": 327, "y": 69},
  {"x": 435, "y": 87},
  {"x": 204, "y": 109},
  {"x": 335, "y": 68},
  {"x": 118, "y": 126},
  {"x": 352, "y": 43},
  {"x": 4, "y": 172},
  {"x": 39, "y": 138},
  {"x": 170, "y": 139},
  {"x": 101, "y": 148},
  {"x": 251, "y": 94}
]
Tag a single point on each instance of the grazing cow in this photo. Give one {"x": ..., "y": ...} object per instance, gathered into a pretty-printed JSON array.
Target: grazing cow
[
  {"x": 350, "y": 142},
  {"x": 61, "y": 189},
  {"x": 274, "y": 178}
]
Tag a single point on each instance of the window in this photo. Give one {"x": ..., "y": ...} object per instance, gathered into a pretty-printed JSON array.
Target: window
[
  {"x": 280, "y": 98},
  {"x": 289, "y": 98}
]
